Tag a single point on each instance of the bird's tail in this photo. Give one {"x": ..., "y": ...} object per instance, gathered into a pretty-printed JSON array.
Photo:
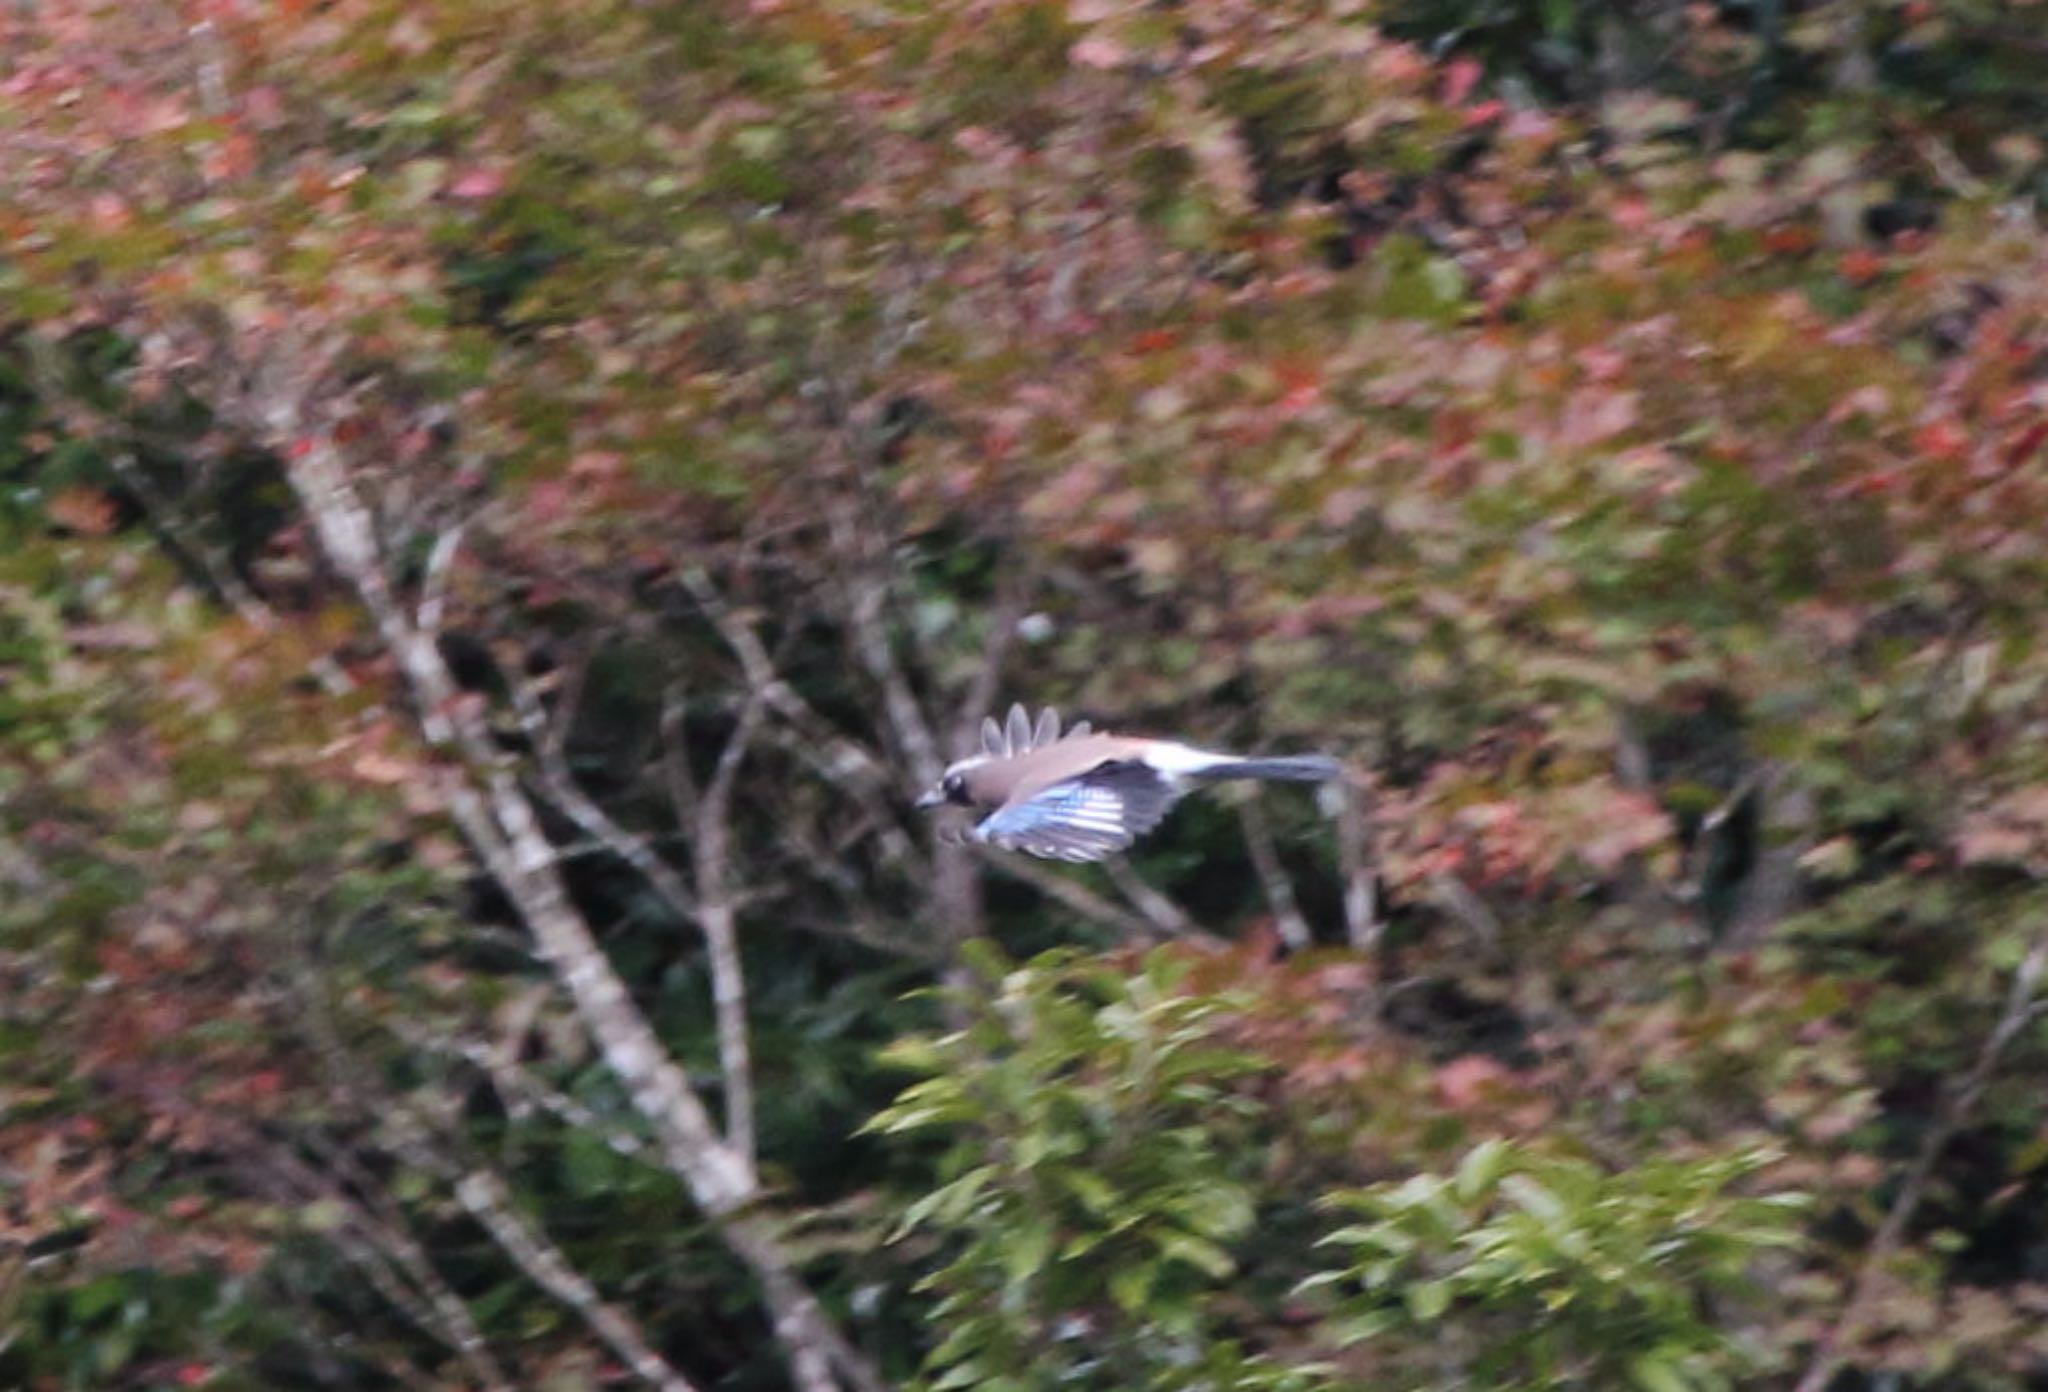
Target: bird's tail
[{"x": 1292, "y": 768}]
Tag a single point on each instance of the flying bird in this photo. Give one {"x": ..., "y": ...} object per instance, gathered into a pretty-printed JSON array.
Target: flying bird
[{"x": 1082, "y": 795}]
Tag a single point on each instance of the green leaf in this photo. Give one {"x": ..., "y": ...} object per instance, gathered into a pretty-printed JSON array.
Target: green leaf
[
  {"x": 1131, "y": 1286},
  {"x": 589, "y": 1168},
  {"x": 1097, "y": 1195},
  {"x": 1197, "y": 1252},
  {"x": 1359, "y": 1328},
  {"x": 1533, "y": 1197},
  {"x": 1481, "y": 1169},
  {"x": 1429, "y": 1300},
  {"x": 1654, "y": 1373},
  {"x": 1027, "y": 1251}
]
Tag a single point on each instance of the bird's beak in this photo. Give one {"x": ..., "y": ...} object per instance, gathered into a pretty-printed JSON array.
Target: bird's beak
[{"x": 930, "y": 800}]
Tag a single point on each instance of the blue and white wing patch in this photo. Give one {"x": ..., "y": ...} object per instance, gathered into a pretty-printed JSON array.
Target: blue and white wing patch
[{"x": 1084, "y": 818}]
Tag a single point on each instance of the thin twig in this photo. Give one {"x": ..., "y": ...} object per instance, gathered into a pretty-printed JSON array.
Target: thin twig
[
  {"x": 1458, "y": 899},
  {"x": 382, "y": 1247},
  {"x": 2022, "y": 1008},
  {"x": 841, "y": 760},
  {"x": 1161, "y": 912},
  {"x": 867, "y": 601},
  {"x": 488, "y": 1200},
  {"x": 172, "y": 523},
  {"x": 212, "y": 68},
  {"x": 434, "y": 585},
  {"x": 718, "y": 920},
  {"x": 711, "y": 907},
  {"x": 520, "y": 1088},
  {"x": 1280, "y": 897},
  {"x": 559, "y": 783},
  {"x": 1362, "y": 923},
  {"x": 1014, "y": 593},
  {"x": 1072, "y": 893},
  {"x": 503, "y": 825}
]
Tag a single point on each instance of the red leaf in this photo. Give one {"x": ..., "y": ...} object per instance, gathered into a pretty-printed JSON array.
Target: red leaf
[
  {"x": 1461, "y": 75},
  {"x": 2025, "y": 443},
  {"x": 1941, "y": 439},
  {"x": 1466, "y": 1081},
  {"x": 477, "y": 183},
  {"x": 1790, "y": 240},
  {"x": 1097, "y": 51}
]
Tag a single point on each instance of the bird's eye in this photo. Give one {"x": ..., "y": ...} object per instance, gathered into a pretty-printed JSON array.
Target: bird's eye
[{"x": 953, "y": 786}]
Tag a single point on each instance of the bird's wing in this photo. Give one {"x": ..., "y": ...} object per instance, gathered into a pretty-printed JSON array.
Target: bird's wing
[{"x": 1086, "y": 817}]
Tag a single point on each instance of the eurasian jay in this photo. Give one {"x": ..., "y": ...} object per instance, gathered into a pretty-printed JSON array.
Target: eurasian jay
[{"x": 1083, "y": 795}]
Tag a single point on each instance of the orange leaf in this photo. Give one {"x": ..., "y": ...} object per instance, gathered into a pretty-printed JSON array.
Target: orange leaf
[
  {"x": 1466, "y": 1081},
  {"x": 86, "y": 511}
]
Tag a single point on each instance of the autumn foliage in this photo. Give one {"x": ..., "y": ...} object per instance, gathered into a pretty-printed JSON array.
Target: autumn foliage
[{"x": 502, "y": 506}]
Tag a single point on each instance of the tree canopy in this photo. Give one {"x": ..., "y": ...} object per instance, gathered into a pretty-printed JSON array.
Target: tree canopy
[{"x": 503, "y": 506}]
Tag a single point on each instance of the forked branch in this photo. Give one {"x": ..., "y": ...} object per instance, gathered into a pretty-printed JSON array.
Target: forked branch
[
  {"x": 2023, "y": 1006},
  {"x": 483, "y": 793}
]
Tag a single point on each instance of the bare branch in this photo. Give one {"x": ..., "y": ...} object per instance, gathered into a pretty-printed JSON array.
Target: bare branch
[
  {"x": 717, "y": 918},
  {"x": 854, "y": 918},
  {"x": 434, "y": 586},
  {"x": 1362, "y": 923},
  {"x": 683, "y": 793},
  {"x": 171, "y": 522},
  {"x": 2022, "y": 1008},
  {"x": 521, "y": 1089},
  {"x": 714, "y": 905},
  {"x": 211, "y": 77},
  {"x": 501, "y": 823},
  {"x": 1456, "y": 898},
  {"x": 841, "y": 760},
  {"x": 1076, "y": 896},
  {"x": 712, "y": 908},
  {"x": 488, "y": 1199},
  {"x": 369, "y": 1245},
  {"x": 1258, "y": 835},
  {"x": 383, "y": 1248},
  {"x": 490, "y": 1203},
  {"x": 718, "y": 796},
  {"x": 954, "y": 882},
  {"x": 867, "y": 602},
  {"x": 1014, "y": 592},
  {"x": 559, "y": 783},
  {"x": 1161, "y": 912}
]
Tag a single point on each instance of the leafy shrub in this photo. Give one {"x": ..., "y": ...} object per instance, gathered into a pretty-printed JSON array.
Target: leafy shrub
[
  {"x": 1536, "y": 1270},
  {"x": 1093, "y": 1182}
]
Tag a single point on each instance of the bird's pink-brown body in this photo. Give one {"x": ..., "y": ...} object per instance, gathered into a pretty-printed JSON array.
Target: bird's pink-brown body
[{"x": 1083, "y": 796}]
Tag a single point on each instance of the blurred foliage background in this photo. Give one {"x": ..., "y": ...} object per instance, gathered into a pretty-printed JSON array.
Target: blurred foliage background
[{"x": 503, "y": 505}]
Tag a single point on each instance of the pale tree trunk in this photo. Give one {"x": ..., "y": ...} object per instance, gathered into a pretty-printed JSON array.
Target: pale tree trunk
[{"x": 499, "y": 819}]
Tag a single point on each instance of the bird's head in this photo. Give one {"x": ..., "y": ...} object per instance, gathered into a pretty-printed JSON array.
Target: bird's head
[{"x": 952, "y": 785}]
